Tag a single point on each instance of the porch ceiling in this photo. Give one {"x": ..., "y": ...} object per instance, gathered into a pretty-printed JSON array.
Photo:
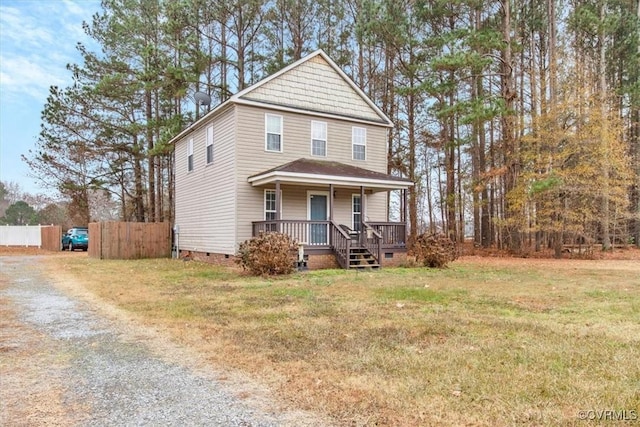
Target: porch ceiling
[{"x": 322, "y": 172}]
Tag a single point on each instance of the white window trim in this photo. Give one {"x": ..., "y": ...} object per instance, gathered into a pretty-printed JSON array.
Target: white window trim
[
  {"x": 209, "y": 144},
  {"x": 190, "y": 163},
  {"x": 266, "y": 133},
  {"x": 353, "y": 142},
  {"x": 264, "y": 203},
  {"x": 362, "y": 201},
  {"x": 326, "y": 143}
]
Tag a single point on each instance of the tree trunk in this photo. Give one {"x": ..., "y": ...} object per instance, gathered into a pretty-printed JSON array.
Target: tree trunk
[
  {"x": 634, "y": 141},
  {"x": 139, "y": 186},
  {"x": 413, "y": 193},
  {"x": 151, "y": 175},
  {"x": 510, "y": 144},
  {"x": 606, "y": 216}
]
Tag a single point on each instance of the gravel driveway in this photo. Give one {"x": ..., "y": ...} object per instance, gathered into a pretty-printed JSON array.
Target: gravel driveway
[{"x": 65, "y": 361}]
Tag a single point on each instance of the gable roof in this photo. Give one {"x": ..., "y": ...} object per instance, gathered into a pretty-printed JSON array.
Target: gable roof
[
  {"x": 295, "y": 88},
  {"x": 324, "y": 172}
]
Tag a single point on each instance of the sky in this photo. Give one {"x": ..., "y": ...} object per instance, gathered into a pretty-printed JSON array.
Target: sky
[{"x": 38, "y": 39}]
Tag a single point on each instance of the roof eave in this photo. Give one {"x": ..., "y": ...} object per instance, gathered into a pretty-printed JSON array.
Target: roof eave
[{"x": 316, "y": 179}]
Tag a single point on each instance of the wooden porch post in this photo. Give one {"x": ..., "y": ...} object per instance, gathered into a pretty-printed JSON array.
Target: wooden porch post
[
  {"x": 404, "y": 214},
  {"x": 330, "y": 213},
  {"x": 330, "y": 202},
  {"x": 362, "y": 216},
  {"x": 278, "y": 204}
]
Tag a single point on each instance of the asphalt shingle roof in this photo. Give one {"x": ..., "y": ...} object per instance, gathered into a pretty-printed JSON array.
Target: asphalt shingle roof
[{"x": 330, "y": 168}]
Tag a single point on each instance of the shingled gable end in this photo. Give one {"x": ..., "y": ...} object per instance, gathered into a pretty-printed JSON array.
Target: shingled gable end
[
  {"x": 302, "y": 152},
  {"x": 317, "y": 85}
]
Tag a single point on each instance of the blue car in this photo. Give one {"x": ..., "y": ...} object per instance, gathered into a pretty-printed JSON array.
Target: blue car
[{"x": 76, "y": 238}]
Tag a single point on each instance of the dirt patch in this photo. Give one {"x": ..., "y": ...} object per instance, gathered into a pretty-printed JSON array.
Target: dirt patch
[{"x": 23, "y": 250}]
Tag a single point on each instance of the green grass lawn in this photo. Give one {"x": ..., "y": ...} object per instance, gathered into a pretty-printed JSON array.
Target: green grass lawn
[{"x": 484, "y": 342}]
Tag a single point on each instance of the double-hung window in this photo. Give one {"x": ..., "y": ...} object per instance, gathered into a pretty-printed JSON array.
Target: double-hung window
[
  {"x": 210, "y": 144},
  {"x": 270, "y": 211},
  {"x": 190, "y": 155},
  {"x": 273, "y": 137},
  {"x": 318, "y": 139},
  {"x": 359, "y": 143},
  {"x": 356, "y": 212}
]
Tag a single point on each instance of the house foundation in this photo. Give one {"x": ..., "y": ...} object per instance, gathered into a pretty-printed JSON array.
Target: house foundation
[{"x": 320, "y": 260}]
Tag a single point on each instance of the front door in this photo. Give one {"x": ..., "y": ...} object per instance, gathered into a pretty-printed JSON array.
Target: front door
[{"x": 318, "y": 233}]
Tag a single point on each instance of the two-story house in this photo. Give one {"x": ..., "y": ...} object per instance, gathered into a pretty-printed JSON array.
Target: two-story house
[{"x": 303, "y": 152}]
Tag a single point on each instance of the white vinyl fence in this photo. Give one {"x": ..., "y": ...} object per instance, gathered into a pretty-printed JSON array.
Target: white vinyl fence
[{"x": 20, "y": 235}]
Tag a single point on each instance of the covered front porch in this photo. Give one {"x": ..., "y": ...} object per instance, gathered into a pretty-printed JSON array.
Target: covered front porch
[
  {"x": 351, "y": 248},
  {"x": 345, "y": 211}
]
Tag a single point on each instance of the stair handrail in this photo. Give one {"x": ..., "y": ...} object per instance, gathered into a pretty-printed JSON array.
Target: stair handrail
[
  {"x": 378, "y": 240},
  {"x": 341, "y": 247},
  {"x": 373, "y": 230}
]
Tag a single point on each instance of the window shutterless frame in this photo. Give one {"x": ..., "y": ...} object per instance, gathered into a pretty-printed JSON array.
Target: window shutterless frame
[
  {"x": 209, "y": 146},
  {"x": 273, "y": 133},
  {"x": 318, "y": 139},
  {"x": 269, "y": 205},
  {"x": 359, "y": 143},
  {"x": 270, "y": 211},
  {"x": 190, "y": 155},
  {"x": 356, "y": 212}
]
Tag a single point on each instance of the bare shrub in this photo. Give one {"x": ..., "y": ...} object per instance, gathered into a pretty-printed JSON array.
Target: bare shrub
[
  {"x": 268, "y": 254},
  {"x": 435, "y": 250}
]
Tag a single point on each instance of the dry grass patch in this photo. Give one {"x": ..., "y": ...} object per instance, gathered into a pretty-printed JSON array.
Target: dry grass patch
[{"x": 498, "y": 342}]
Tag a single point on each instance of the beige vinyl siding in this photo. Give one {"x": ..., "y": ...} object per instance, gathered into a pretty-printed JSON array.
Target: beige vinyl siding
[
  {"x": 252, "y": 159},
  {"x": 205, "y": 197},
  {"x": 216, "y": 218},
  {"x": 375, "y": 206},
  {"x": 315, "y": 86},
  {"x": 296, "y": 141}
]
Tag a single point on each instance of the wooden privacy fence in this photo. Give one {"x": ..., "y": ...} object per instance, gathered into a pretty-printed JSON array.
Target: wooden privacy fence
[
  {"x": 129, "y": 240},
  {"x": 51, "y": 237}
]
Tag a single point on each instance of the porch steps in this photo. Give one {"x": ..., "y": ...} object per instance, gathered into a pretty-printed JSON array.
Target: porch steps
[{"x": 361, "y": 258}]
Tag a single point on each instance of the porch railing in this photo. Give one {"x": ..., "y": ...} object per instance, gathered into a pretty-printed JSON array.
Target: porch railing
[
  {"x": 393, "y": 234},
  {"x": 328, "y": 234},
  {"x": 311, "y": 233}
]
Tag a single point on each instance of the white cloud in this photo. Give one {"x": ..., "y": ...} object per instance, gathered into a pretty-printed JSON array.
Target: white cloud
[
  {"x": 23, "y": 75},
  {"x": 74, "y": 8},
  {"x": 38, "y": 41},
  {"x": 23, "y": 28}
]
